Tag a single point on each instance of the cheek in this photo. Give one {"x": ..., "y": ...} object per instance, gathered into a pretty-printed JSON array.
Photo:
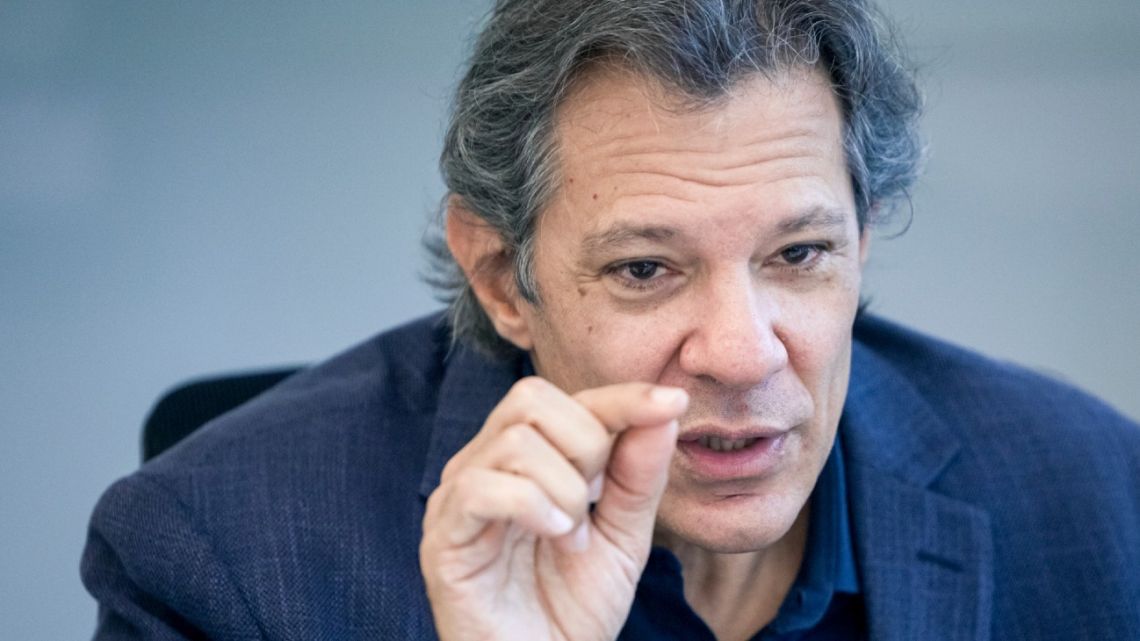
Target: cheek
[
  {"x": 815, "y": 341},
  {"x": 582, "y": 343},
  {"x": 625, "y": 348},
  {"x": 816, "y": 330}
]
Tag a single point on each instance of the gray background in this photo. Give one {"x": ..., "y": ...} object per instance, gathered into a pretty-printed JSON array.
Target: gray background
[{"x": 191, "y": 187}]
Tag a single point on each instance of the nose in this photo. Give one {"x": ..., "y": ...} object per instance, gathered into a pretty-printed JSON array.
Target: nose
[{"x": 734, "y": 340}]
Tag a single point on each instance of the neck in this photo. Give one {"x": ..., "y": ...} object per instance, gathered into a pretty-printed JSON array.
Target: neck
[{"x": 738, "y": 594}]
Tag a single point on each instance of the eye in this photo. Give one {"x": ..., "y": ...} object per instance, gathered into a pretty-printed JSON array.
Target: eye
[
  {"x": 640, "y": 275},
  {"x": 642, "y": 269},
  {"x": 800, "y": 254}
]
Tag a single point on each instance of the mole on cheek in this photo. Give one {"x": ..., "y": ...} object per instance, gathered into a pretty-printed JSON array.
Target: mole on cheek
[
  {"x": 595, "y": 196},
  {"x": 589, "y": 329},
  {"x": 581, "y": 291}
]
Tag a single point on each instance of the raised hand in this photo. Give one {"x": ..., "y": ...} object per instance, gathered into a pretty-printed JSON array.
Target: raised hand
[{"x": 510, "y": 548}]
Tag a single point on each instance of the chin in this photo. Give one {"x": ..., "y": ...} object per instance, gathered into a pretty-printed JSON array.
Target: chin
[{"x": 728, "y": 525}]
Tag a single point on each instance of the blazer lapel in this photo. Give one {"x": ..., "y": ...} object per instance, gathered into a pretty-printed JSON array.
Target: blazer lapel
[{"x": 925, "y": 559}]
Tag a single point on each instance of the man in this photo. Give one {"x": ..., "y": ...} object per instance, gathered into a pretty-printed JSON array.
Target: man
[{"x": 654, "y": 410}]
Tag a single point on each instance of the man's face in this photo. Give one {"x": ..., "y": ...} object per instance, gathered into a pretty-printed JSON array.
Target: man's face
[{"x": 717, "y": 251}]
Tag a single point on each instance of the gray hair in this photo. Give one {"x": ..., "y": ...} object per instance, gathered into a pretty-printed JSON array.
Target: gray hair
[{"x": 499, "y": 155}]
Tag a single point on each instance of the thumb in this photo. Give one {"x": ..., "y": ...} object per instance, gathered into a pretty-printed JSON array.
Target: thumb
[{"x": 635, "y": 480}]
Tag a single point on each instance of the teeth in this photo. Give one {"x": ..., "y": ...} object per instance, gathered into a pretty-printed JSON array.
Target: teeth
[{"x": 718, "y": 444}]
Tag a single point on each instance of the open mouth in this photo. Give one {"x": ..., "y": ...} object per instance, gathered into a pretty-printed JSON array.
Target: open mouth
[
  {"x": 714, "y": 457},
  {"x": 718, "y": 444}
]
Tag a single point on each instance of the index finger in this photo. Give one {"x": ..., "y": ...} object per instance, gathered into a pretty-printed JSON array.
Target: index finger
[{"x": 623, "y": 405}]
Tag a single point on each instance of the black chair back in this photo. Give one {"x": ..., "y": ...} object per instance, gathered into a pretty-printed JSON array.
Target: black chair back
[{"x": 190, "y": 405}]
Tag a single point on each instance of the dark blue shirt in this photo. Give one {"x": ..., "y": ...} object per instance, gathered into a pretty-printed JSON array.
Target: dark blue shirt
[{"x": 824, "y": 602}]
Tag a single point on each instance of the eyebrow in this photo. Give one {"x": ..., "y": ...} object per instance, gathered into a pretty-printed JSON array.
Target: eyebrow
[
  {"x": 815, "y": 218},
  {"x": 625, "y": 234}
]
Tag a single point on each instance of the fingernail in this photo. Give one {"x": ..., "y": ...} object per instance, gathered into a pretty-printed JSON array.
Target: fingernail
[
  {"x": 559, "y": 521},
  {"x": 595, "y": 488},
  {"x": 671, "y": 396},
  {"x": 580, "y": 539}
]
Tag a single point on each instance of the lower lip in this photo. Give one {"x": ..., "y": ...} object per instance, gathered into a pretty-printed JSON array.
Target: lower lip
[{"x": 757, "y": 460}]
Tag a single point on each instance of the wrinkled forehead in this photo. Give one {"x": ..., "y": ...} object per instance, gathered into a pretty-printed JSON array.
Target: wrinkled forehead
[
  {"x": 634, "y": 164},
  {"x": 611, "y": 107}
]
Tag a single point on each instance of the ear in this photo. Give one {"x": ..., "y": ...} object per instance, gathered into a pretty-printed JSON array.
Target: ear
[{"x": 483, "y": 256}]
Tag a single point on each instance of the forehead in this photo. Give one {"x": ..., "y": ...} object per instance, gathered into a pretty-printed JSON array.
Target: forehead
[
  {"x": 611, "y": 107},
  {"x": 768, "y": 151}
]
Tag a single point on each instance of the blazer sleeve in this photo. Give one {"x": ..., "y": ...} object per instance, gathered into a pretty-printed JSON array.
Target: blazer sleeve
[{"x": 155, "y": 574}]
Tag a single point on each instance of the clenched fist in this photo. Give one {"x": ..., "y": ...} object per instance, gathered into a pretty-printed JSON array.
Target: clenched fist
[{"x": 511, "y": 549}]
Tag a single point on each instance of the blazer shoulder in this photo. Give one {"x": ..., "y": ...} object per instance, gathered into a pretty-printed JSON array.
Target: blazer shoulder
[
  {"x": 391, "y": 376},
  {"x": 160, "y": 578},
  {"x": 1018, "y": 433},
  {"x": 311, "y": 486}
]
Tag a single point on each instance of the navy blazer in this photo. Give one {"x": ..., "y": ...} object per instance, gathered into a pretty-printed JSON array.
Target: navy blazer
[{"x": 987, "y": 502}]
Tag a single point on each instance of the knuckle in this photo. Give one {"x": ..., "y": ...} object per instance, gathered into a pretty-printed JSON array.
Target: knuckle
[
  {"x": 529, "y": 388},
  {"x": 592, "y": 450},
  {"x": 518, "y": 438},
  {"x": 532, "y": 414},
  {"x": 471, "y": 502},
  {"x": 449, "y": 470},
  {"x": 440, "y": 507},
  {"x": 461, "y": 484}
]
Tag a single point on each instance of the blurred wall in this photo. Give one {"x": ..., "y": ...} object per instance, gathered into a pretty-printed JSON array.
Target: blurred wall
[
  {"x": 206, "y": 186},
  {"x": 1023, "y": 241}
]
